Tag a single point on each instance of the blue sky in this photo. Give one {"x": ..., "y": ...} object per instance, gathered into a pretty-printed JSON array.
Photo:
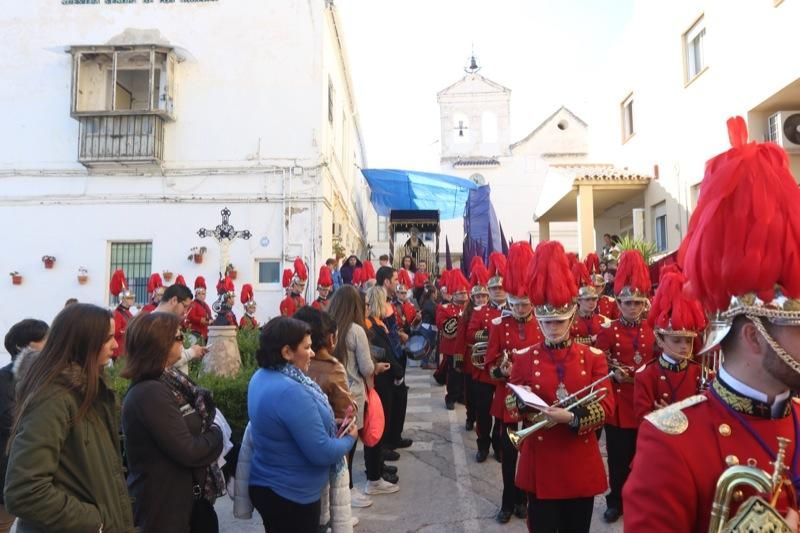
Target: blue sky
[{"x": 548, "y": 52}]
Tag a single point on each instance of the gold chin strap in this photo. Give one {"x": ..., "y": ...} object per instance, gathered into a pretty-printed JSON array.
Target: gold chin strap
[{"x": 782, "y": 354}]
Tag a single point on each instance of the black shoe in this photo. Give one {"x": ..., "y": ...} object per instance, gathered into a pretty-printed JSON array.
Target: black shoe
[
  {"x": 403, "y": 443},
  {"x": 611, "y": 515},
  {"x": 503, "y": 516},
  {"x": 481, "y": 456},
  {"x": 391, "y": 478},
  {"x": 450, "y": 404},
  {"x": 470, "y": 425},
  {"x": 389, "y": 469},
  {"x": 390, "y": 455},
  {"x": 521, "y": 511},
  {"x": 497, "y": 456}
]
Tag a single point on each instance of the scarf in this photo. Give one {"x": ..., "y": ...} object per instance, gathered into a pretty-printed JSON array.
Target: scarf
[
  {"x": 186, "y": 392},
  {"x": 323, "y": 405}
]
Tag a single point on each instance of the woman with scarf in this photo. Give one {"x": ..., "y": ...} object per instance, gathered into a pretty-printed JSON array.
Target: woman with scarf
[
  {"x": 172, "y": 432},
  {"x": 297, "y": 447}
]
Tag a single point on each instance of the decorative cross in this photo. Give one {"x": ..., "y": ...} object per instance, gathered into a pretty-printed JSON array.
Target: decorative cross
[{"x": 224, "y": 234}]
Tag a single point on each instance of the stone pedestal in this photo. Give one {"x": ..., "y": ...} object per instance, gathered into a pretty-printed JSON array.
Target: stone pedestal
[{"x": 223, "y": 358}]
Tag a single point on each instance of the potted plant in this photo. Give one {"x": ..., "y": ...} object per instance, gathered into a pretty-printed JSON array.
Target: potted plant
[
  {"x": 16, "y": 278},
  {"x": 83, "y": 275},
  {"x": 196, "y": 254},
  {"x": 167, "y": 275},
  {"x": 230, "y": 270},
  {"x": 48, "y": 261}
]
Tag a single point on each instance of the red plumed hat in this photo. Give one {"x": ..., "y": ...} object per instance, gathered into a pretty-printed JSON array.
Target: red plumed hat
[
  {"x": 419, "y": 279},
  {"x": 367, "y": 270},
  {"x": 583, "y": 280},
  {"x": 287, "y": 278},
  {"x": 247, "y": 294},
  {"x": 477, "y": 264},
  {"x": 119, "y": 285},
  {"x": 520, "y": 256},
  {"x": 225, "y": 285},
  {"x": 478, "y": 274},
  {"x": 154, "y": 282},
  {"x": 497, "y": 269},
  {"x": 457, "y": 282},
  {"x": 444, "y": 279},
  {"x": 572, "y": 258},
  {"x": 672, "y": 268},
  {"x": 180, "y": 281},
  {"x": 300, "y": 271},
  {"x": 744, "y": 235},
  {"x": 551, "y": 286},
  {"x": 632, "y": 281},
  {"x": 324, "y": 279},
  {"x": 672, "y": 312},
  {"x": 592, "y": 263},
  {"x": 200, "y": 283},
  {"x": 403, "y": 279}
]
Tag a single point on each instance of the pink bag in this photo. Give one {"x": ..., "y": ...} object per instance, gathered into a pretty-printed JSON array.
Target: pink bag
[{"x": 374, "y": 421}]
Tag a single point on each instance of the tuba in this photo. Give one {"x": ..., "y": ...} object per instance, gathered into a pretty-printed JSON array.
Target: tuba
[
  {"x": 478, "y": 354},
  {"x": 755, "y": 514}
]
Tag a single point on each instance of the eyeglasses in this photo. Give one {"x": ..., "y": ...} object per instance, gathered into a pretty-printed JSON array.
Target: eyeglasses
[{"x": 179, "y": 337}]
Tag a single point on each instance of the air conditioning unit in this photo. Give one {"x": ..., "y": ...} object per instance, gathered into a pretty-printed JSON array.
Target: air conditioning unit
[{"x": 783, "y": 128}]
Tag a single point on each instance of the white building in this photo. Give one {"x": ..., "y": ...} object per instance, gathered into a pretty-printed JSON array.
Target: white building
[{"x": 130, "y": 125}]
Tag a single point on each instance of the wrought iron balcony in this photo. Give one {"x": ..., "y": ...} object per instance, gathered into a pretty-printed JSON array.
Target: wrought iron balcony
[{"x": 121, "y": 138}]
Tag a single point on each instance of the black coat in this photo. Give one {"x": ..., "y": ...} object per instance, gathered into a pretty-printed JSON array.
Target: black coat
[
  {"x": 163, "y": 448},
  {"x": 7, "y": 403}
]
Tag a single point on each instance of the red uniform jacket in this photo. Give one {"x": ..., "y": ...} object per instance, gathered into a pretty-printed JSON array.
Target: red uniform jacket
[
  {"x": 149, "y": 308},
  {"x": 676, "y": 467},
  {"x": 121, "y": 317},
  {"x": 447, "y": 316},
  {"x": 248, "y": 322},
  {"x": 478, "y": 331},
  {"x": 199, "y": 317},
  {"x": 561, "y": 462},
  {"x": 607, "y": 306},
  {"x": 320, "y": 305},
  {"x": 291, "y": 304},
  {"x": 631, "y": 347},
  {"x": 662, "y": 380},
  {"x": 462, "y": 347},
  {"x": 585, "y": 330},
  {"x": 409, "y": 313},
  {"x": 505, "y": 334}
]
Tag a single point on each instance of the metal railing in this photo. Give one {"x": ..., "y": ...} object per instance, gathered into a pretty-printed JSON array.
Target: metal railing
[{"x": 121, "y": 138}]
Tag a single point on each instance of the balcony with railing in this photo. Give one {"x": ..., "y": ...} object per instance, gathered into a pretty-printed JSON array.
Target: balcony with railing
[{"x": 121, "y": 138}]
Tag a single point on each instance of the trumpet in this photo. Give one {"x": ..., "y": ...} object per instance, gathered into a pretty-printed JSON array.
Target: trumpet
[
  {"x": 478, "y": 354},
  {"x": 569, "y": 403},
  {"x": 755, "y": 514}
]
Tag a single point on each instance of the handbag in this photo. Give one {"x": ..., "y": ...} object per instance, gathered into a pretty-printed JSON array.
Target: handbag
[
  {"x": 374, "y": 420},
  {"x": 204, "y": 517}
]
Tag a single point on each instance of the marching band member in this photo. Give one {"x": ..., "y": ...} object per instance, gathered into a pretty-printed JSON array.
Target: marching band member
[
  {"x": 155, "y": 288},
  {"x": 248, "y": 320},
  {"x": 324, "y": 288},
  {"x": 294, "y": 300},
  {"x": 199, "y": 315},
  {"x": 447, "y": 318},
  {"x": 606, "y": 305},
  {"x": 674, "y": 375},
  {"x": 587, "y": 324},
  {"x": 507, "y": 333},
  {"x": 367, "y": 276},
  {"x": 742, "y": 260},
  {"x": 560, "y": 467},
  {"x": 227, "y": 294},
  {"x": 122, "y": 313},
  {"x": 629, "y": 343},
  {"x": 407, "y": 315}
]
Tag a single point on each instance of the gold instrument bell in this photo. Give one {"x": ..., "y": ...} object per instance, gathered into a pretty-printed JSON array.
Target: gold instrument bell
[
  {"x": 478, "y": 354},
  {"x": 755, "y": 514}
]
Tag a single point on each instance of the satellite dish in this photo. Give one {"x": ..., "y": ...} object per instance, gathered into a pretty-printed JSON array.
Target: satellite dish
[{"x": 791, "y": 128}]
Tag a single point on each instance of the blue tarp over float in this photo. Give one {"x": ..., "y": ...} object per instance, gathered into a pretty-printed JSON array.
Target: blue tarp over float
[{"x": 409, "y": 189}]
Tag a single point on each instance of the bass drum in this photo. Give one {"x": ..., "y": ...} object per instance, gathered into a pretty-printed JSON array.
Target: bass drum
[{"x": 417, "y": 347}]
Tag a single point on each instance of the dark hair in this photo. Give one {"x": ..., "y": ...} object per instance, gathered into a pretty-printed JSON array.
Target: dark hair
[
  {"x": 383, "y": 274},
  {"x": 23, "y": 333},
  {"x": 429, "y": 293},
  {"x": 279, "y": 332},
  {"x": 148, "y": 342},
  {"x": 615, "y": 239},
  {"x": 331, "y": 262},
  {"x": 346, "y": 308},
  {"x": 176, "y": 290},
  {"x": 76, "y": 337},
  {"x": 412, "y": 267},
  {"x": 70, "y": 301},
  {"x": 322, "y": 326},
  {"x": 383, "y": 257}
]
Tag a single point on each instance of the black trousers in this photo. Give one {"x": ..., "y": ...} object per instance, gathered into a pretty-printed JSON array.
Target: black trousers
[
  {"x": 560, "y": 516},
  {"x": 373, "y": 459},
  {"x": 621, "y": 447},
  {"x": 399, "y": 403},
  {"x": 482, "y": 394},
  {"x": 350, "y": 456},
  {"x": 455, "y": 382},
  {"x": 511, "y": 494},
  {"x": 469, "y": 399},
  {"x": 284, "y": 516}
]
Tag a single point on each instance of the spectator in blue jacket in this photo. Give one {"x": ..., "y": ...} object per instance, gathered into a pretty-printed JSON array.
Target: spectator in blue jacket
[{"x": 296, "y": 449}]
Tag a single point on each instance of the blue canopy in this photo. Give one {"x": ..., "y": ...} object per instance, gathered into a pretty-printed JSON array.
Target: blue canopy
[{"x": 408, "y": 189}]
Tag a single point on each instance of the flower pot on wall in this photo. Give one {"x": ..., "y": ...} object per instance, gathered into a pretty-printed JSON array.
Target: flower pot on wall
[
  {"x": 198, "y": 258},
  {"x": 16, "y": 280},
  {"x": 48, "y": 263},
  {"x": 167, "y": 275},
  {"x": 83, "y": 279}
]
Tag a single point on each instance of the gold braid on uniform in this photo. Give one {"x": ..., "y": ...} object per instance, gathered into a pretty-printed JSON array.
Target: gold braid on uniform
[
  {"x": 588, "y": 418},
  {"x": 482, "y": 335},
  {"x": 781, "y": 353}
]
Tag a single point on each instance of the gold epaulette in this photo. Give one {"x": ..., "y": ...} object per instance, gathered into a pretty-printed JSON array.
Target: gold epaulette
[{"x": 671, "y": 419}]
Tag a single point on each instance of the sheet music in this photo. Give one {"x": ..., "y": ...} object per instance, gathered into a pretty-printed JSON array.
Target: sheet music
[{"x": 529, "y": 398}]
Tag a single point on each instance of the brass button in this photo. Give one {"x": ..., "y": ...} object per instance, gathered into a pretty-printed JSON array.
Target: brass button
[
  {"x": 537, "y": 374},
  {"x": 731, "y": 460},
  {"x": 535, "y": 361},
  {"x": 663, "y": 378},
  {"x": 540, "y": 438},
  {"x": 536, "y": 352},
  {"x": 583, "y": 372},
  {"x": 616, "y": 344},
  {"x": 752, "y": 462},
  {"x": 725, "y": 430},
  {"x": 537, "y": 386},
  {"x": 581, "y": 361},
  {"x": 665, "y": 395},
  {"x": 619, "y": 390},
  {"x": 738, "y": 495}
]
